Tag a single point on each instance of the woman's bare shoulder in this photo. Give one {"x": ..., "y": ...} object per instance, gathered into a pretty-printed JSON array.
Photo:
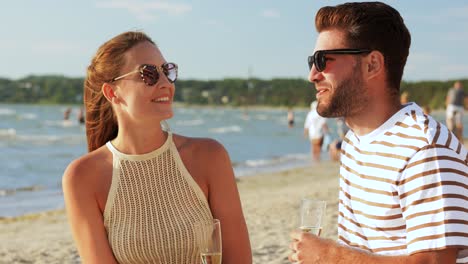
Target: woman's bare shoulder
[
  {"x": 85, "y": 170},
  {"x": 204, "y": 158},
  {"x": 204, "y": 146}
]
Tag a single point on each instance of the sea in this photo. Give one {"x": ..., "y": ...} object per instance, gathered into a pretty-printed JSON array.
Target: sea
[{"x": 37, "y": 144}]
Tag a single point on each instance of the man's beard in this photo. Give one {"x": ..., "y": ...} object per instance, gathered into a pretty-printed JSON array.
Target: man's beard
[{"x": 349, "y": 97}]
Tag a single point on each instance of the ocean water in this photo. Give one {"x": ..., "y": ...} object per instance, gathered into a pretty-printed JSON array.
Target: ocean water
[{"x": 36, "y": 145}]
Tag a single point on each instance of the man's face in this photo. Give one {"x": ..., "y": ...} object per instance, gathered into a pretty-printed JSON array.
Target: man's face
[{"x": 341, "y": 91}]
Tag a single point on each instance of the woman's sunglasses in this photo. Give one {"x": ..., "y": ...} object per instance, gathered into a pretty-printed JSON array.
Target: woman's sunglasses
[
  {"x": 150, "y": 73},
  {"x": 320, "y": 61}
]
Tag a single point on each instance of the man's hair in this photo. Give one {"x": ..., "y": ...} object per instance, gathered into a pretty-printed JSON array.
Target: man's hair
[{"x": 374, "y": 26}]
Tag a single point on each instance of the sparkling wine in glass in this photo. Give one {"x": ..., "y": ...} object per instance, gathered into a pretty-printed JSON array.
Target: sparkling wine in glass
[
  {"x": 208, "y": 237},
  {"x": 311, "y": 215}
]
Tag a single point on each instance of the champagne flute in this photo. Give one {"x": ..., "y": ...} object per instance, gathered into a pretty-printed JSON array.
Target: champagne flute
[
  {"x": 311, "y": 214},
  {"x": 208, "y": 237}
]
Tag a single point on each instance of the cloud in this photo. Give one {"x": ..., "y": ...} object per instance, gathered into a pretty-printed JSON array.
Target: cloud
[
  {"x": 146, "y": 10},
  {"x": 270, "y": 13}
]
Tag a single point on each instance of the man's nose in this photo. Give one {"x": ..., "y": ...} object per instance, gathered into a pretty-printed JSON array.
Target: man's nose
[{"x": 314, "y": 75}]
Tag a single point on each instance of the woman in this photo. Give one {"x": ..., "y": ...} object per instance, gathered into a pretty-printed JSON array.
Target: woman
[{"x": 134, "y": 197}]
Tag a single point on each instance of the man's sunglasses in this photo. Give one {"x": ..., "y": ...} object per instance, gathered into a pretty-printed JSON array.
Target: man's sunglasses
[
  {"x": 150, "y": 73},
  {"x": 320, "y": 61}
]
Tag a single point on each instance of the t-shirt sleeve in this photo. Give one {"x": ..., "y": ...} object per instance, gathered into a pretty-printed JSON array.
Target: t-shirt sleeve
[{"x": 433, "y": 191}]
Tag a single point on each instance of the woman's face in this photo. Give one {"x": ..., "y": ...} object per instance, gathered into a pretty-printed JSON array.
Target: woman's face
[{"x": 140, "y": 103}]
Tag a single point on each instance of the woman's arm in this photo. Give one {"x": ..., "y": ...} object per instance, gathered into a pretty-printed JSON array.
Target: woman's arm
[
  {"x": 79, "y": 185},
  {"x": 225, "y": 205}
]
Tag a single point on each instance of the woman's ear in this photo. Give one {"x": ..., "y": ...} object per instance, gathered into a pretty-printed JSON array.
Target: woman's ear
[
  {"x": 109, "y": 93},
  {"x": 375, "y": 64}
]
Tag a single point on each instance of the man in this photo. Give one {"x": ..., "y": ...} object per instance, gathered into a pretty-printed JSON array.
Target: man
[
  {"x": 403, "y": 175},
  {"x": 315, "y": 128},
  {"x": 455, "y": 107}
]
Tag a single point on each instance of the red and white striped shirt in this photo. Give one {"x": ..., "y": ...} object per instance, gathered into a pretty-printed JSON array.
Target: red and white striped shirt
[{"x": 404, "y": 188}]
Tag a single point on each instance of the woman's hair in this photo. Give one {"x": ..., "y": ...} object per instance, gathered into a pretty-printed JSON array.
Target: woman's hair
[
  {"x": 374, "y": 26},
  {"x": 101, "y": 122}
]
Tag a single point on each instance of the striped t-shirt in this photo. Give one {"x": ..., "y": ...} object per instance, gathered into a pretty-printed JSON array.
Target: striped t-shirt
[{"x": 404, "y": 188}]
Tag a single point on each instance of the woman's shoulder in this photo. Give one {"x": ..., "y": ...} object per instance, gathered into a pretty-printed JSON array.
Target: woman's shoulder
[
  {"x": 206, "y": 159},
  {"x": 86, "y": 169},
  {"x": 200, "y": 151},
  {"x": 199, "y": 145}
]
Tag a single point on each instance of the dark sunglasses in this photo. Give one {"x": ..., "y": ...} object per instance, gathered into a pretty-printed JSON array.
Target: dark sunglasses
[
  {"x": 320, "y": 61},
  {"x": 150, "y": 73}
]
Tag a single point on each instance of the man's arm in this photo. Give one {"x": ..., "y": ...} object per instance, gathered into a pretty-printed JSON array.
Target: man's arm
[
  {"x": 448, "y": 98},
  {"x": 310, "y": 249}
]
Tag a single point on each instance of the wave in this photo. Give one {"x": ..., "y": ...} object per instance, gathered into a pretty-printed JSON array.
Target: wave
[
  {"x": 261, "y": 117},
  {"x": 276, "y": 160},
  {"x": 227, "y": 129},
  {"x": 195, "y": 122},
  {"x": 10, "y": 134},
  {"x": 13, "y": 191},
  {"x": 7, "y": 132},
  {"x": 7, "y": 111},
  {"x": 289, "y": 161},
  {"x": 47, "y": 139},
  {"x": 28, "y": 116},
  {"x": 61, "y": 123}
]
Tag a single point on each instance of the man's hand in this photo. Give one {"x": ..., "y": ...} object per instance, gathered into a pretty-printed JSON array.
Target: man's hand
[{"x": 310, "y": 249}]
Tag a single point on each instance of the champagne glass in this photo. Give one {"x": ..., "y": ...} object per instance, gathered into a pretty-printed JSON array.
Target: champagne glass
[
  {"x": 208, "y": 237},
  {"x": 311, "y": 214}
]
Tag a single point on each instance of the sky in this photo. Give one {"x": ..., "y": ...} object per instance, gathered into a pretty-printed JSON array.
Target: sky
[{"x": 214, "y": 39}]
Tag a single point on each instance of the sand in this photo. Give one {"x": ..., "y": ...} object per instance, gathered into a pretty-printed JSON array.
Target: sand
[
  {"x": 270, "y": 202},
  {"x": 271, "y": 207}
]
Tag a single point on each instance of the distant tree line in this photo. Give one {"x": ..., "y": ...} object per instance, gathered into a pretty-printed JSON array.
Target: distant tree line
[{"x": 232, "y": 92}]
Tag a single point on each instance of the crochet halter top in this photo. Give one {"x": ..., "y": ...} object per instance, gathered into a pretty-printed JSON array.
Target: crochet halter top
[{"x": 152, "y": 203}]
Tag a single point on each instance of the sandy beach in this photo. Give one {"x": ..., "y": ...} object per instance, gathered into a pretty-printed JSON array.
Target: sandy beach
[{"x": 270, "y": 202}]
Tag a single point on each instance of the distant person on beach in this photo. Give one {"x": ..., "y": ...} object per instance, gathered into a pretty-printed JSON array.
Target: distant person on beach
[
  {"x": 427, "y": 109},
  {"x": 290, "y": 118},
  {"x": 403, "y": 175},
  {"x": 81, "y": 118},
  {"x": 404, "y": 98},
  {"x": 334, "y": 149},
  {"x": 455, "y": 101},
  {"x": 66, "y": 113},
  {"x": 315, "y": 128},
  {"x": 135, "y": 196}
]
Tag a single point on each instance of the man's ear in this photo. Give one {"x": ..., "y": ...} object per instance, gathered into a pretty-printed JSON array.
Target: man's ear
[
  {"x": 374, "y": 64},
  {"x": 109, "y": 93}
]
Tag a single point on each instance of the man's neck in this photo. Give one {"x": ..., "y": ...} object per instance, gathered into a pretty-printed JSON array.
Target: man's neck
[{"x": 372, "y": 117}]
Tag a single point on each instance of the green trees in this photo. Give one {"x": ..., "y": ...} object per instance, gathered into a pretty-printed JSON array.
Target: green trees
[{"x": 233, "y": 91}]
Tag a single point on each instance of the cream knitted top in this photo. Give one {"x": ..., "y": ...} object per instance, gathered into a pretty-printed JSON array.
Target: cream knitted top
[{"x": 153, "y": 202}]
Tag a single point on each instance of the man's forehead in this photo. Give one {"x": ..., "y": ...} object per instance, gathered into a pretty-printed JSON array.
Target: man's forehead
[{"x": 330, "y": 39}]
